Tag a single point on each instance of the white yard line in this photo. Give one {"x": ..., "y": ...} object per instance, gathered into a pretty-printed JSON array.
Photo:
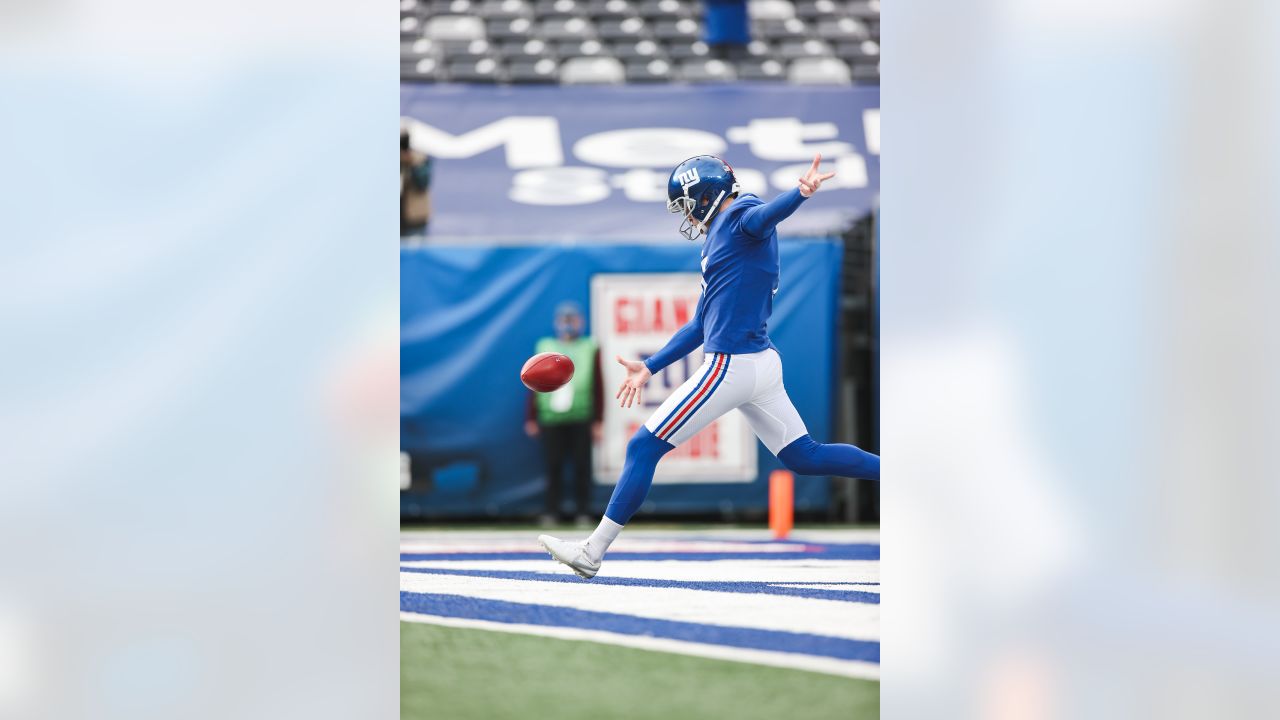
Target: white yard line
[
  {"x": 832, "y": 618},
  {"x": 867, "y": 588},
  {"x": 770, "y": 571},
  {"x": 830, "y": 666}
]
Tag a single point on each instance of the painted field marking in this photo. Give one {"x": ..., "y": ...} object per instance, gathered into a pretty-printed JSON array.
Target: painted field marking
[
  {"x": 763, "y": 612},
  {"x": 870, "y": 671},
  {"x": 840, "y": 593},
  {"x": 810, "y": 603}
]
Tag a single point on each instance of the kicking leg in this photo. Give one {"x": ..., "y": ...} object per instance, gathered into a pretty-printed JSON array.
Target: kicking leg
[
  {"x": 807, "y": 456},
  {"x": 707, "y": 395},
  {"x": 694, "y": 405},
  {"x": 643, "y": 453},
  {"x": 776, "y": 422}
]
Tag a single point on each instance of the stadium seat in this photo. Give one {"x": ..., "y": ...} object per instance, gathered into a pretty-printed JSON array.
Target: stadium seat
[
  {"x": 539, "y": 71},
  {"x": 792, "y": 39},
  {"x": 573, "y": 28},
  {"x": 510, "y": 29},
  {"x": 687, "y": 51},
  {"x": 819, "y": 71},
  {"x": 483, "y": 70},
  {"x": 686, "y": 29},
  {"x": 755, "y": 50},
  {"x": 525, "y": 50},
  {"x": 842, "y": 29},
  {"x": 592, "y": 71},
  {"x": 798, "y": 49},
  {"x": 869, "y": 9},
  {"x": 818, "y": 9},
  {"x": 707, "y": 71},
  {"x": 770, "y": 10},
  {"x": 505, "y": 9},
  {"x": 649, "y": 71},
  {"x": 455, "y": 27},
  {"x": 464, "y": 49},
  {"x": 479, "y": 47},
  {"x": 416, "y": 8},
  {"x": 641, "y": 50},
  {"x": 866, "y": 74},
  {"x": 773, "y": 30},
  {"x": 859, "y": 53},
  {"x": 664, "y": 9},
  {"x": 452, "y": 7},
  {"x": 558, "y": 8},
  {"x": 632, "y": 28},
  {"x": 586, "y": 48},
  {"x": 761, "y": 70},
  {"x": 423, "y": 70},
  {"x": 608, "y": 9},
  {"x": 415, "y": 50}
]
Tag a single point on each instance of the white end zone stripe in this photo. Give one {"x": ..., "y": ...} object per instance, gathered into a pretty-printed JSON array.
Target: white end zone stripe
[
  {"x": 775, "y": 572},
  {"x": 860, "y": 587},
  {"x": 828, "y": 618},
  {"x": 829, "y": 666}
]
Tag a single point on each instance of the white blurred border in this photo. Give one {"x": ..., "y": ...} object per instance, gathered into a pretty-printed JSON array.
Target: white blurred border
[
  {"x": 200, "y": 263},
  {"x": 1079, "y": 353}
]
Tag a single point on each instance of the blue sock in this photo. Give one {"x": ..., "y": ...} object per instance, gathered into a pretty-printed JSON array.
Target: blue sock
[
  {"x": 643, "y": 453},
  {"x": 805, "y": 456}
]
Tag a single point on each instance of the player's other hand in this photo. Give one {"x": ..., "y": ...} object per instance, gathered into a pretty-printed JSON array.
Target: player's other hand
[
  {"x": 637, "y": 376},
  {"x": 813, "y": 179},
  {"x": 531, "y": 428},
  {"x": 597, "y": 432}
]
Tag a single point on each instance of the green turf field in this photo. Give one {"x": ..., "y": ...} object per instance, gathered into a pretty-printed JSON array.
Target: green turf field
[{"x": 464, "y": 674}]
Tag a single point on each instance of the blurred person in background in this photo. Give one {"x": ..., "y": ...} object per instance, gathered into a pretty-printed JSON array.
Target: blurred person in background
[
  {"x": 568, "y": 420},
  {"x": 415, "y": 187},
  {"x": 725, "y": 26}
]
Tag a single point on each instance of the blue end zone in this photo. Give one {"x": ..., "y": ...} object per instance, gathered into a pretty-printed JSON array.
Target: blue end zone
[
  {"x": 762, "y": 588},
  {"x": 459, "y": 606}
]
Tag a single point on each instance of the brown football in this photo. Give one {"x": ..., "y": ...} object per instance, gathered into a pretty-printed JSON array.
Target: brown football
[{"x": 546, "y": 371}]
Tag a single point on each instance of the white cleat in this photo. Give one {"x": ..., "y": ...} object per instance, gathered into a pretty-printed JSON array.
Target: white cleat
[{"x": 571, "y": 554}]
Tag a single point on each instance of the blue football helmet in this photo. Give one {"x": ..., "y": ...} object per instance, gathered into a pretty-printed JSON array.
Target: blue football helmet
[{"x": 695, "y": 190}]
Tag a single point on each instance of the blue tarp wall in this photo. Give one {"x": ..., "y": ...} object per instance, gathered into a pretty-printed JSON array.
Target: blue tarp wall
[{"x": 469, "y": 318}]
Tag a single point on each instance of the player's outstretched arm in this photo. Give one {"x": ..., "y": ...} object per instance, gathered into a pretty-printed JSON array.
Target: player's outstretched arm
[
  {"x": 761, "y": 219},
  {"x": 684, "y": 341},
  {"x": 637, "y": 376},
  {"x": 812, "y": 180}
]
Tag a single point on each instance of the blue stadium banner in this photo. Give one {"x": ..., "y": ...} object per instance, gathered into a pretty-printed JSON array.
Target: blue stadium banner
[
  {"x": 591, "y": 163},
  {"x": 470, "y": 316}
]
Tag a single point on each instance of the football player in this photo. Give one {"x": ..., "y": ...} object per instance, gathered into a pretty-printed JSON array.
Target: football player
[{"x": 742, "y": 368}]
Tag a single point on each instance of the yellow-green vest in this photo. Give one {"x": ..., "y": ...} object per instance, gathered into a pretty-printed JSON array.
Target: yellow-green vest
[{"x": 571, "y": 403}]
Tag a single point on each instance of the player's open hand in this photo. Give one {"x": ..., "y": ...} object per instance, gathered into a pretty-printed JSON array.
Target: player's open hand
[
  {"x": 637, "y": 376},
  {"x": 813, "y": 179}
]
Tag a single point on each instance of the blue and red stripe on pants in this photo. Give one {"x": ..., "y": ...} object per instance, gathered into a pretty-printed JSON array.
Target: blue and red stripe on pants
[{"x": 689, "y": 407}]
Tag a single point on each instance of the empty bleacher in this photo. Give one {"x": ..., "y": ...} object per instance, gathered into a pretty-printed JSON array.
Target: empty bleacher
[{"x": 812, "y": 42}]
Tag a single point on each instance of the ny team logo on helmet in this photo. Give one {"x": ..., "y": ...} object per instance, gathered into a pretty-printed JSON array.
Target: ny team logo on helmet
[{"x": 695, "y": 190}]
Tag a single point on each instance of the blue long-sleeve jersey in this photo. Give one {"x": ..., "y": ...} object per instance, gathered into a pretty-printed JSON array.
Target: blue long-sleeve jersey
[{"x": 739, "y": 279}]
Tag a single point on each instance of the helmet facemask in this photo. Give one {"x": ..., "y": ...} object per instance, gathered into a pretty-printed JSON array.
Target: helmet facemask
[
  {"x": 696, "y": 190},
  {"x": 695, "y": 223}
]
